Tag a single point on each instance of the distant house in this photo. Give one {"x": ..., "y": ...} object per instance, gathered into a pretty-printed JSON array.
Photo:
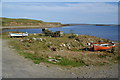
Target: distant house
[{"x": 52, "y": 34}]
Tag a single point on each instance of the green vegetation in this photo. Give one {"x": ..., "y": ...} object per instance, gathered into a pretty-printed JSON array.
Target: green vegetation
[
  {"x": 33, "y": 57},
  {"x": 62, "y": 51},
  {"x": 67, "y": 62},
  {"x": 118, "y": 58},
  {"x": 26, "y": 22}
]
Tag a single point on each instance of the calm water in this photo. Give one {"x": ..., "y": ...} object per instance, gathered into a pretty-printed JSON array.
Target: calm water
[{"x": 107, "y": 32}]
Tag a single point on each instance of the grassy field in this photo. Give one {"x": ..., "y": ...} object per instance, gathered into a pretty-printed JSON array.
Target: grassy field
[
  {"x": 26, "y": 22},
  {"x": 65, "y": 51}
]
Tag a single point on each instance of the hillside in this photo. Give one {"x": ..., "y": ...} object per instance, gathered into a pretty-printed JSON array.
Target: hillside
[{"x": 27, "y": 22}]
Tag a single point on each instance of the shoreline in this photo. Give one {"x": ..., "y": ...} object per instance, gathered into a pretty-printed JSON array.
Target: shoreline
[
  {"x": 27, "y": 27},
  {"x": 47, "y": 27}
]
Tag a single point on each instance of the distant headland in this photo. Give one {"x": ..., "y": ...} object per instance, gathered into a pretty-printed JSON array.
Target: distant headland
[
  {"x": 93, "y": 24},
  {"x": 30, "y": 23}
]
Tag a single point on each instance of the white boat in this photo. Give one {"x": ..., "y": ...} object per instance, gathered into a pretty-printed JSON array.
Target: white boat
[{"x": 17, "y": 34}]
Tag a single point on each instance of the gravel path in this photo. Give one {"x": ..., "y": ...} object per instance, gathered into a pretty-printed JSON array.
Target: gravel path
[{"x": 15, "y": 66}]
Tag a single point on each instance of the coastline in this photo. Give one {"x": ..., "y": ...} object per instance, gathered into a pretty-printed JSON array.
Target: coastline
[
  {"x": 27, "y": 27},
  {"x": 62, "y": 25},
  {"x": 41, "y": 27}
]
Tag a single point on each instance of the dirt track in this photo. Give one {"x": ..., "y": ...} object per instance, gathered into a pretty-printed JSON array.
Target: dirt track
[{"x": 15, "y": 66}]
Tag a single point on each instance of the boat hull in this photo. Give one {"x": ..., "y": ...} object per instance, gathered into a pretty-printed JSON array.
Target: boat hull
[
  {"x": 101, "y": 46},
  {"x": 18, "y": 34},
  {"x": 97, "y": 48}
]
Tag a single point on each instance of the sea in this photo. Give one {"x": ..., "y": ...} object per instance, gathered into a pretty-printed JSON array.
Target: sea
[{"x": 106, "y": 32}]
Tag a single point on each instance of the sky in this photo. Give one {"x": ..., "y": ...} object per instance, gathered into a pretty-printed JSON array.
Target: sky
[
  {"x": 64, "y": 12},
  {"x": 60, "y": 0}
]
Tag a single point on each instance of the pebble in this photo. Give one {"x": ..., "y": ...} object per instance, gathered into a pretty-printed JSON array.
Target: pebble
[{"x": 73, "y": 73}]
